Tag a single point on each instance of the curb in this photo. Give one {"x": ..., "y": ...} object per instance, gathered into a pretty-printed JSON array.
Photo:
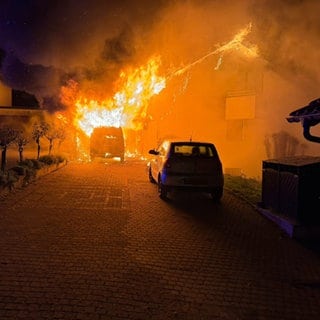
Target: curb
[{"x": 291, "y": 227}]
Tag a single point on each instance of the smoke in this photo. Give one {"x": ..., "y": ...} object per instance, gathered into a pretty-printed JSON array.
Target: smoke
[
  {"x": 39, "y": 80},
  {"x": 45, "y": 43},
  {"x": 287, "y": 34}
]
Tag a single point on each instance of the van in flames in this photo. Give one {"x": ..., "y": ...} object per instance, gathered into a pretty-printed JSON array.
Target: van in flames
[{"x": 107, "y": 142}]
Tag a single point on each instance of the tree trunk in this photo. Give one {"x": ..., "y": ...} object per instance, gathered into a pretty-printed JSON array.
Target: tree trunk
[
  {"x": 21, "y": 154},
  {"x": 3, "y": 158},
  {"x": 50, "y": 146},
  {"x": 38, "y": 156}
]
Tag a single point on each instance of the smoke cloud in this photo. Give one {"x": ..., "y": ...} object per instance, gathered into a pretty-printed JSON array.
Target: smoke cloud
[
  {"x": 44, "y": 44},
  {"x": 287, "y": 35}
]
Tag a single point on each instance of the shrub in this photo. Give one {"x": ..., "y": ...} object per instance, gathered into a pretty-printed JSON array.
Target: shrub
[
  {"x": 31, "y": 163},
  {"x": 60, "y": 158},
  {"x": 8, "y": 179},
  {"x": 26, "y": 163},
  {"x": 28, "y": 169},
  {"x": 29, "y": 176},
  {"x": 3, "y": 179},
  {"x": 52, "y": 159},
  {"x": 48, "y": 159},
  {"x": 19, "y": 170},
  {"x": 37, "y": 164}
]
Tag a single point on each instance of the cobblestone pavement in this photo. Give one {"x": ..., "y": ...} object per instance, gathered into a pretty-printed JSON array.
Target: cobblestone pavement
[{"x": 94, "y": 241}]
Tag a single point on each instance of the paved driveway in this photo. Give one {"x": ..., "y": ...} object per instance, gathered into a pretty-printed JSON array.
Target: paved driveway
[{"x": 94, "y": 241}]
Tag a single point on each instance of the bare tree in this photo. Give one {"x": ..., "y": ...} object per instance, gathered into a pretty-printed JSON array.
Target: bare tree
[
  {"x": 7, "y": 136},
  {"x": 61, "y": 135},
  {"x": 21, "y": 140},
  {"x": 39, "y": 131},
  {"x": 51, "y": 134}
]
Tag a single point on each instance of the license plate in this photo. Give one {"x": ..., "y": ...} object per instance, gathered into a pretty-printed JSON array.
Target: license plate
[{"x": 194, "y": 181}]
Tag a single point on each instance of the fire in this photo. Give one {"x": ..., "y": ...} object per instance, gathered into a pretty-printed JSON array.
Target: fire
[
  {"x": 92, "y": 114},
  {"x": 236, "y": 43},
  {"x": 62, "y": 118},
  {"x": 128, "y": 106}
]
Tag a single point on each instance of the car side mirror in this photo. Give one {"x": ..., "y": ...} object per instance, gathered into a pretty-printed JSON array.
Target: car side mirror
[{"x": 154, "y": 152}]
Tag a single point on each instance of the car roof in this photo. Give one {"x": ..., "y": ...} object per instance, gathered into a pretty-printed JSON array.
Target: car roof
[
  {"x": 107, "y": 128},
  {"x": 183, "y": 141},
  {"x": 99, "y": 130}
]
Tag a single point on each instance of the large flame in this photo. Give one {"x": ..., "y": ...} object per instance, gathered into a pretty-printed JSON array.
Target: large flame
[{"x": 128, "y": 106}]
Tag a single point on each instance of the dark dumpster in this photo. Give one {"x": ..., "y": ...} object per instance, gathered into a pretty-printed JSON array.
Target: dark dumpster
[{"x": 291, "y": 188}]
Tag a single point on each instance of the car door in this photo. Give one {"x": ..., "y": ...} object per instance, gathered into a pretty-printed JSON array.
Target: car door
[{"x": 158, "y": 161}]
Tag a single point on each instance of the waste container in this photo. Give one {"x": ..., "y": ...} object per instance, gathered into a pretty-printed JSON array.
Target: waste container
[{"x": 291, "y": 188}]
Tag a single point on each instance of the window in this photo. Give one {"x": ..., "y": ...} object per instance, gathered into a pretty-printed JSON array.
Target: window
[
  {"x": 240, "y": 107},
  {"x": 191, "y": 149}
]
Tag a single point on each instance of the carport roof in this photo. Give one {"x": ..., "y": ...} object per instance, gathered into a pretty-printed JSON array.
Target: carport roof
[
  {"x": 309, "y": 112},
  {"x": 309, "y": 116}
]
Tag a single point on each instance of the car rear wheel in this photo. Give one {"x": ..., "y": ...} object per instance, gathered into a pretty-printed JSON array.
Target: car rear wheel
[
  {"x": 162, "y": 190},
  {"x": 217, "y": 194}
]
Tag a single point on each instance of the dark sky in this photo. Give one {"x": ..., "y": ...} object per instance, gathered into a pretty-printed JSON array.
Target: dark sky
[{"x": 44, "y": 43}]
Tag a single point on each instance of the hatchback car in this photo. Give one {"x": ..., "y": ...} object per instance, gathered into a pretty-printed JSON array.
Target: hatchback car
[{"x": 186, "y": 165}]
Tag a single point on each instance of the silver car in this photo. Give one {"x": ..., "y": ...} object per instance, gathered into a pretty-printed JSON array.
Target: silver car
[{"x": 186, "y": 165}]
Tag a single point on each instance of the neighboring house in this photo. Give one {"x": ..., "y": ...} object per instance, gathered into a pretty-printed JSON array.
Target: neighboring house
[{"x": 17, "y": 106}]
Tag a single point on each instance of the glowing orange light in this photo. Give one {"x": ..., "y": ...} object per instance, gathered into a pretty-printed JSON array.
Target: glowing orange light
[
  {"x": 137, "y": 86},
  {"x": 127, "y": 107},
  {"x": 236, "y": 43},
  {"x": 62, "y": 118}
]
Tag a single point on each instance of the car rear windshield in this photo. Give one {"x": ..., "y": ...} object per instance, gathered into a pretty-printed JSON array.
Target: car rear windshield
[{"x": 202, "y": 150}]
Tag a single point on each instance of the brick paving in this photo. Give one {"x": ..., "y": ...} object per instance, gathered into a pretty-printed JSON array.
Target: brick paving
[{"x": 94, "y": 241}]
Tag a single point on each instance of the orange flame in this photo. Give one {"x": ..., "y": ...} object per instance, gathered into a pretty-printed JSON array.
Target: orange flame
[
  {"x": 128, "y": 106},
  {"x": 62, "y": 118}
]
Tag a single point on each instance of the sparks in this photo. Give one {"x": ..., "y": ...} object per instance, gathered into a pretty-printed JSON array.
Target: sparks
[{"x": 236, "y": 43}]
